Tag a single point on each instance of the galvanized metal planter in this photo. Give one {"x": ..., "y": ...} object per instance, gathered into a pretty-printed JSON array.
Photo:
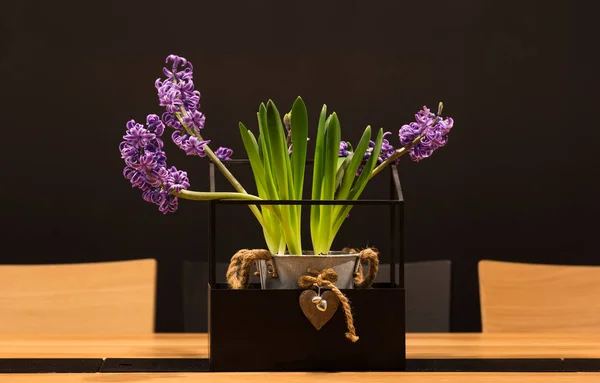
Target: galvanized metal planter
[{"x": 291, "y": 267}]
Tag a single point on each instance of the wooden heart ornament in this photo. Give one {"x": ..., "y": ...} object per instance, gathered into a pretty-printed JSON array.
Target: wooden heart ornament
[{"x": 315, "y": 316}]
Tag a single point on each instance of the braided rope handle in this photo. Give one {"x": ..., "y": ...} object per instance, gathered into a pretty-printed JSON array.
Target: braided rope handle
[
  {"x": 238, "y": 272},
  {"x": 371, "y": 257}
]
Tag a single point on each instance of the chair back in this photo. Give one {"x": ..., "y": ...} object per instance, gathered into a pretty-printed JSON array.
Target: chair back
[
  {"x": 521, "y": 297},
  {"x": 87, "y": 298}
]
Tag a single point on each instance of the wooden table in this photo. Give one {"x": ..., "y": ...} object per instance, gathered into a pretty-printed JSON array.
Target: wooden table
[{"x": 420, "y": 346}]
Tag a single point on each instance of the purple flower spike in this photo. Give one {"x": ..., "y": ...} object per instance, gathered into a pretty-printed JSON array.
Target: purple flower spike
[
  {"x": 146, "y": 164},
  {"x": 177, "y": 94},
  {"x": 387, "y": 150},
  {"x": 434, "y": 131},
  {"x": 224, "y": 154},
  {"x": 344, "y": 152}
]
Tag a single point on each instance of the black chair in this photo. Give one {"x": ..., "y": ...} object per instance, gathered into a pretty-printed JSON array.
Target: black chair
[
  {"x": 195, "y": 293},
  {"x": 427, "y": 294},
  {"x": 427, "y": 286}
]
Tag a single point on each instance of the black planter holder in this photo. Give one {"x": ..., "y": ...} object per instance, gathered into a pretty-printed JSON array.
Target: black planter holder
[{"x": 265, "y": 330}]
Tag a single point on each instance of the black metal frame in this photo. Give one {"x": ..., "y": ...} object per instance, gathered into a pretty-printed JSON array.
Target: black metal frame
[
  {"x": 285, "y": 341},
  {"x": 396, "y": 203}
]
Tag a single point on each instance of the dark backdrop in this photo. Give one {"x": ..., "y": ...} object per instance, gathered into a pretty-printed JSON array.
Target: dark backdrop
[{"x": 517, "y": 181}]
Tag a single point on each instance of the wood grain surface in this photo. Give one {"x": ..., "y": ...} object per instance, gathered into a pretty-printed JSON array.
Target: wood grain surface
[
  {"x": 434, "y": 346},
  {"x": 521, "y": 297},
  {"x": 401, "y": 377},
  {"x": 99, "y": 298}
]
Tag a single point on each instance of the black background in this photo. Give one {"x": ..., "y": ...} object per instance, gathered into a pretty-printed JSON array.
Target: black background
[{"x": 517, "y": 181}]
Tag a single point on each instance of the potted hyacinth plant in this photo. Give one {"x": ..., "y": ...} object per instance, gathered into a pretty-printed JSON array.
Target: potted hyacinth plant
[{"x": 277, "y": 155}]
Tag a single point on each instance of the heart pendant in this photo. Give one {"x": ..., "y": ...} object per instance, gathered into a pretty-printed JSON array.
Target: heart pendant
[{"x": 318, "y": 317}]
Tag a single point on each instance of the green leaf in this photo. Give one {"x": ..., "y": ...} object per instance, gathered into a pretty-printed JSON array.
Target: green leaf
[
  {"x": 255, "y": 162},
  {"x": 359, "y": 186},
  {"x": 280, "y": 160},
  {"x": 281, "y": 165},
  {"x": 332, "y": 147},
  {"x": 343, "y": 163},
  {"x": 319, "y": 162},
  {"x": 358, "y": 157},
  {"x": 271, "y": 227},
  {"x": 270, "y": 180},
  {"x": 299, "y": 127},
  {"x": 362, "y": 180}
]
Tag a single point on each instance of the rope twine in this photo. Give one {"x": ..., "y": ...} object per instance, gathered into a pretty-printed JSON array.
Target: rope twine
[
  {"x": 238, "y": 272},
  {"x": 238, "y": 276},
  {"x": 371, "y": 256}
]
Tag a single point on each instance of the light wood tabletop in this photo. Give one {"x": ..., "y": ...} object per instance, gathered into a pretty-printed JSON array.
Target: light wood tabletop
[
  {"x": 419, "y": 346},
  {"x": 405, "y": 377}
]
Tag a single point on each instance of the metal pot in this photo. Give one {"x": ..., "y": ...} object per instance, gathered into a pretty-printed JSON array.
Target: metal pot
[{"x": 291, "y": 267}]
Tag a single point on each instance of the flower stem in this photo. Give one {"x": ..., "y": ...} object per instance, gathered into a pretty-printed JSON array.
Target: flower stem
[
  {"x": 400, "y": 152},
  {"x": 222, "y": 168},
  {"x": 204, "y": 196}
]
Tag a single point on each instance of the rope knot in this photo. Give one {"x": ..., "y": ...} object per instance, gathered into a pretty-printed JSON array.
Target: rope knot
[{"x": 320, "y": 278}]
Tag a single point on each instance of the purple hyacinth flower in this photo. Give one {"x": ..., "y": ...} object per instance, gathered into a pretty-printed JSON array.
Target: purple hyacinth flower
[
  {"x": 425, "y": 116},
  {"x": 194, "y": 147},
  {"x": 433, "y": 131},
  {"x": 344, "y": 152},
  {"x": 155, "y": 196},
  {"x": 177, "y": 180},
  {"x": 387, "y": 150},
  {"x": 137, "y": 135},
  {"x": 129, "y": 152},
  {"x": 157, "y": 177},
  {"x": 224, "y": 154},
  {"x": 194, "y": 119},
  {"x": 408, "y": 133},
  {"x": 169, "y": 204},
  {"x": 170, "y": 99},
  {"x": 171, "y": 121},
  {"x": 189, "y": 96},
  {"x": 176, "y": 73},
  {"x": 179, "y": 138},
  {"x": 136, "y": 178},
  {"x": 155, "y": 125},
  {"x": 155, "y": 147},
  {"x": 146, "y": 163}
]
